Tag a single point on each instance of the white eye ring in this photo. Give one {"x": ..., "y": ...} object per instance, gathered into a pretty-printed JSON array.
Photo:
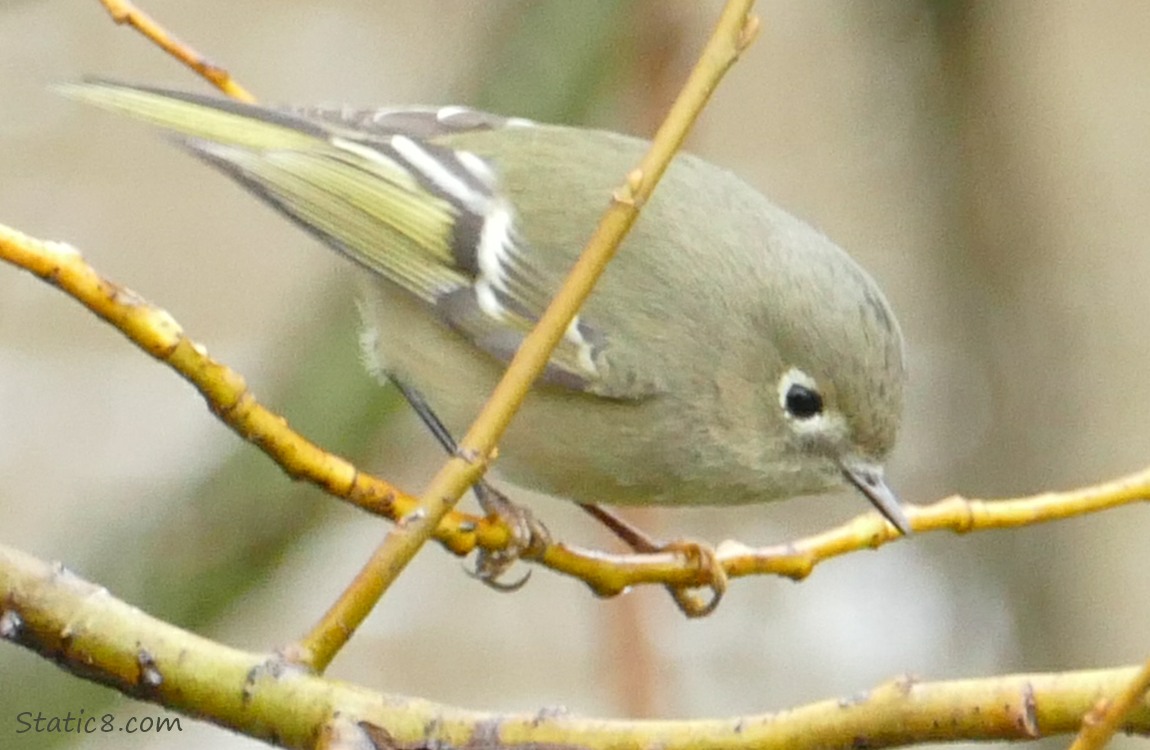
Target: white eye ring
[{"x": 799, "y": 396}]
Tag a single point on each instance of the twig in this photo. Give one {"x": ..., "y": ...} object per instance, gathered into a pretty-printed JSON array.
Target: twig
[
  {"x": 1100, "y": 724},
  {"x": 124, "y": 12},
  {"x": 156, "y": 332},
  {"x": 955, "y": 513},
  {"x": 735, "y": 29}
]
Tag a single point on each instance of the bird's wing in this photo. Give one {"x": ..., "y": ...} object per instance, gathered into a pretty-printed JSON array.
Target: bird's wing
[{"x": 371, "y": 184}]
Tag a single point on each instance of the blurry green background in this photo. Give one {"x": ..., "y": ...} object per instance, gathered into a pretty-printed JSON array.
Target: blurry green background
[{"x": 989, "y": 163}]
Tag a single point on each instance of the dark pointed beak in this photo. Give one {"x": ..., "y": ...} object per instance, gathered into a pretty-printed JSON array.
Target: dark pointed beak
[{"x": 867, "y": 477}]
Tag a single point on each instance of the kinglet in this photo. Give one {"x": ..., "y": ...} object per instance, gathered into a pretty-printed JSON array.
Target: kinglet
[{"x": 730, "y": 353}]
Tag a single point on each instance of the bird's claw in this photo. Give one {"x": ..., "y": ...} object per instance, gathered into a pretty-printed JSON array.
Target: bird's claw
[
  {"x": 700, "y": 555},
  {"x": 527, "y": 535},
  {"x": 704, "y": 559},
  {"x": 489, "y": 570}
]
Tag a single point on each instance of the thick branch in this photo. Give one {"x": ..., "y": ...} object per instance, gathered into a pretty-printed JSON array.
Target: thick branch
[{"x": 86, "y": 631}]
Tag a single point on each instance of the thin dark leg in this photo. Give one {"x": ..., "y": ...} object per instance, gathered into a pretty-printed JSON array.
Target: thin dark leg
[
  {"x": 490, "y": 565},
  {"x": 426, "y": 414},
  {"x": 483, "y": 491}
]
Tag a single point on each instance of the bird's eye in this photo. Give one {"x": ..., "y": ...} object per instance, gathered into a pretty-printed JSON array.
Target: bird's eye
[
  {"x": 802, "y": 402},
  {"x": 799, "y": 395}
]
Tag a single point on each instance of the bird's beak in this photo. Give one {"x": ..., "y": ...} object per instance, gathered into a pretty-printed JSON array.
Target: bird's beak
[{"x": 867, "y": 477}]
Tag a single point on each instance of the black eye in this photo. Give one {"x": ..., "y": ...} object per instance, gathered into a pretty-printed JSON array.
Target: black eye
[{"x": 802, "y": 402}]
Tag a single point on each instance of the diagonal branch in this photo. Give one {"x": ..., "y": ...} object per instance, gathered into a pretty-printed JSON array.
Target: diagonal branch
[
  {"x": 125, "y": 12},
  {"x": 734, "y": 31},
  {"x": 1109, "y": 714},
  {"x": 156, "y": 332}
]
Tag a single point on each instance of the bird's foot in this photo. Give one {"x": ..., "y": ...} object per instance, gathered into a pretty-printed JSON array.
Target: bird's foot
[
  {"x": 712, "y": 574},
  {"x": 528, "y": 535},
  {"x": 701, "y": 556}
]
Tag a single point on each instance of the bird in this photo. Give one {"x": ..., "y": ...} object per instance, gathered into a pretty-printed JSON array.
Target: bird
[{"x": 730, "y": 353}]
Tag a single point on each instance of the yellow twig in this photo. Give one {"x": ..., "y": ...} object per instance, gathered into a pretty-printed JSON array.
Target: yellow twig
[
  {"x": 1107, "y": 716},
  {"x": 156, "y": 332},
  {"x": 124, "y": 12},
  {"x": 955, "y": 513},
  {"x": 734, "y": 30}
]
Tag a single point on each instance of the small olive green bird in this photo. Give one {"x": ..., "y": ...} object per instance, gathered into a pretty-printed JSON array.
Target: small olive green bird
[{"x": 730, "y": 354}]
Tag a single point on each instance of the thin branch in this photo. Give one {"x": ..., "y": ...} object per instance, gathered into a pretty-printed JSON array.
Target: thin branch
[
  {"x": 156, "y": 332},
  {"x": 735, "y": 29},
  {"x": 124, "y": 12},
  {"x": 86, "y": 631},
  {"x": 954, "y": 513},
  {"x": 1108, "y": 716}
]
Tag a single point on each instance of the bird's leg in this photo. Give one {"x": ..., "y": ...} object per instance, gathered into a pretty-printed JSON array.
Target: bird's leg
[
  {"x": 526, "y": 531},
  {"x": 700, "y": 555}
]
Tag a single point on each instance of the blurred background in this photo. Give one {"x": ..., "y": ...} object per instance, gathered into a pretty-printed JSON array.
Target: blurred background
[{"x": 988, "y": 163}]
